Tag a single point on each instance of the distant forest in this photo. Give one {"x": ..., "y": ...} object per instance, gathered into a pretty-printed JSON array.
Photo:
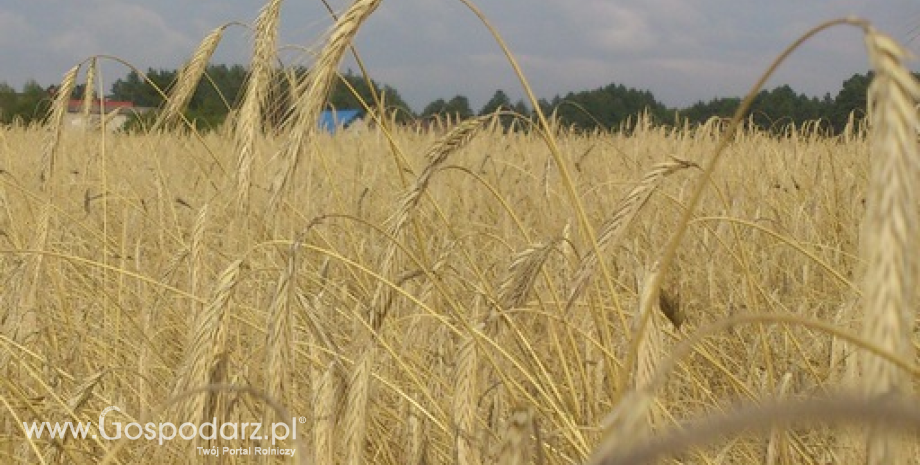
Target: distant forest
[{"x": 606, "y": 107}]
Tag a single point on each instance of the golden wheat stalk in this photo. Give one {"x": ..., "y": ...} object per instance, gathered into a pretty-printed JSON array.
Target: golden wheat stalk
[
  {"x": 21, "y": 294},
  {"x": 889, "y": 230},
  {"x": 311, "y": 96},
  {"x": 249, "y": 122},
  {"x": 614, "y": 229},
  {"x": 188, "y": 79}
]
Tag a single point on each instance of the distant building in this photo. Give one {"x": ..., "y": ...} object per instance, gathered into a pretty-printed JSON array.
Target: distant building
[
  {"x": 116, "y": 114},
  {"x": 335, "y": 120}
]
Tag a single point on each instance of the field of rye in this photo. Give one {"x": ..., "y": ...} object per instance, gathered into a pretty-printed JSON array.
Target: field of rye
[{"x": 466, "y": 295}]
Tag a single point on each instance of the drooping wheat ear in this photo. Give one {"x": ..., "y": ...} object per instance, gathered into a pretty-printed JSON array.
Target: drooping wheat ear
[
  {"x": 249, "y": 121},
  {"x": 280, "y": 337},
  {"x": 436, "y": 155},
  {"x": 889, "y": 230},
  {"x": 89, "y": 92},
  {"x": 328, "y": 400},
  {"x": 515, "y": 448},
  {"x": 56, "y": 124},
  {"x": 465, "y": 401},
  {"x": 205, "y": 356},
  {"x": 624, "y": 427},
  {"x": 522, "y": 274},
  {"x": 651, "y": 340},
  {"x": 83, "y": 392},
  {"x": 355, "y": 423},
  {"x": 778, "y": 449},
  {"x": 196, "y": 252},
  {"x": 416, "y": 438},
  {"x": 188, "y": 79},
  {"x": 310, "y": 95},
  {"x": 615, "y": 227}
]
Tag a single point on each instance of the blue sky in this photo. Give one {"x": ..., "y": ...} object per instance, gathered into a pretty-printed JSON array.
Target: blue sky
[{"x": 681, "y": 50}]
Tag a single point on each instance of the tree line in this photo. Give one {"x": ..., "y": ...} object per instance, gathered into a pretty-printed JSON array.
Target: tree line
[{"x": 603, "y": 108}]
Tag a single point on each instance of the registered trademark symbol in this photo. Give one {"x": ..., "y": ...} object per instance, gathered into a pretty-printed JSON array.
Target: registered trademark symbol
[{"x": 302, "y": 420}]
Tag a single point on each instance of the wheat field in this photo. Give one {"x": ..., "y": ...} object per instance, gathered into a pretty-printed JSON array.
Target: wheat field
[{"x": 464, "y": 295}]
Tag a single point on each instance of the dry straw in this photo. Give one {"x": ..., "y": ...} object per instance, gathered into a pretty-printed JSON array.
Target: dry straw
[{"x": 889, "y": 229}]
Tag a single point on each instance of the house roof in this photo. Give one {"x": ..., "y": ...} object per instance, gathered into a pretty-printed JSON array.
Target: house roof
[
  {"x": 76, "y": 106},
  {"x": 332, "y": 120}
]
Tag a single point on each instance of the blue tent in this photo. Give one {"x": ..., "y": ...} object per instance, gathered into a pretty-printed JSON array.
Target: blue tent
[{"x": 333, "y": 120}]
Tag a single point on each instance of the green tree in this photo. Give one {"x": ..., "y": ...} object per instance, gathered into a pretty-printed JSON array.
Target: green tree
[
  {"x": 499, "y": 101},
  {"x": 606, "y": 107},
  {"x": 435, "y": 108},
  {"x": 7, "y": 103},
  {"x": 852, "y": 97},
  {"x": 32, "y": 104},
  {"x": 359, "y": 89},
  {"x": 143, "y": 92},
  {"x": 456, "y": 108}
]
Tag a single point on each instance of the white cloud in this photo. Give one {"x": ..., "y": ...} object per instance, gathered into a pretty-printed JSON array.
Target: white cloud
[{"x": 680, "y": 50}]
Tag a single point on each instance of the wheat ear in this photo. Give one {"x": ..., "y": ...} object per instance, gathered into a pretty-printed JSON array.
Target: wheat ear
[
  {"x": 249, "y": 122},
  {"x": 89, "y": 92},
  {"x": 515, "y": 449},
  {"x": 328, "y": 399},
  {"x": 465, "y": 401},
  {"x": 311, "y": 96},
  {"x": 889, "y": 231},
  {"x": 615, "y": 227},
  {"x": 188, "y": 79},
  {"x": 436, "y": 156},
  {"x": 56, "y": 124},
  {"x": 205, "y": 357},
  {"x": 280, "y": 338},
  {"x": 355, "y": 423}
]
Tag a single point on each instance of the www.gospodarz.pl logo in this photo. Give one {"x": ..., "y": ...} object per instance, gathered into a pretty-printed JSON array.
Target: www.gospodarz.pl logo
[{"x": 167, "y": 431}]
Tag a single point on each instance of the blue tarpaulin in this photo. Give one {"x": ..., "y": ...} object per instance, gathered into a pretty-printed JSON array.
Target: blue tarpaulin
[{"x": 333, "y": 120}]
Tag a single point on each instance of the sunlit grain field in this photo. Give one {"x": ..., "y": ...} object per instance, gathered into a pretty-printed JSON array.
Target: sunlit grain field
[{"x": 459, "y": 296}]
